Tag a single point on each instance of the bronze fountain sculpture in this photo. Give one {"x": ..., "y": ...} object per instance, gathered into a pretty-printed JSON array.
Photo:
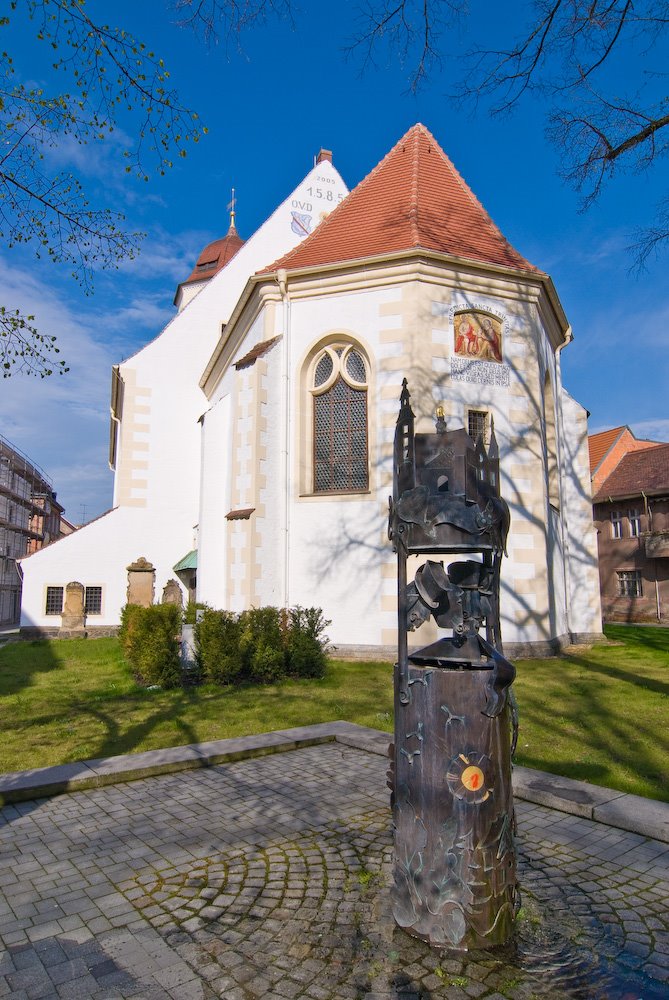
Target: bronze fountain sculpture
[{"x": 455, "y": 861}]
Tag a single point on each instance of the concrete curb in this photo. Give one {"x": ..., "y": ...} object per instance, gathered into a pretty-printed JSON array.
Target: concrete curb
[{"x": 633, "y": 813}]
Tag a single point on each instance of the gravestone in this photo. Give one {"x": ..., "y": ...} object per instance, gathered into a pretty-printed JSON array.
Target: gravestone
[
  {"x": 172, "y": 593},
  {"x": 141, "y": 582},
  {"x": 73, "y": 618}
]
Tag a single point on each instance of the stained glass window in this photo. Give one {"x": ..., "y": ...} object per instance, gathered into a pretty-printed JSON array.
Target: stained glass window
[{"x": 340, "y": 421}]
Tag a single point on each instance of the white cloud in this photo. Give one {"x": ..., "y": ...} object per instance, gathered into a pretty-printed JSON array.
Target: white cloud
[
  {"x": 167, "y": 256},
  {"x": 653, "y": 429},
  {"x": 630, "y": 327},
  {"x": 147, "y": 311},
  {"x": 60, "y": 422},
  {"x": 102, "y": 158}
]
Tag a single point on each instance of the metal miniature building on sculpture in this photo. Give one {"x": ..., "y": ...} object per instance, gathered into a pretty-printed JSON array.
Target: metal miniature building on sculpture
[{"x": 455, "y": 864}]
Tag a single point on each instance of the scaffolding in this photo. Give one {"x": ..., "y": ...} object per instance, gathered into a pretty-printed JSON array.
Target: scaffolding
[{"x": 29, "y": 519}]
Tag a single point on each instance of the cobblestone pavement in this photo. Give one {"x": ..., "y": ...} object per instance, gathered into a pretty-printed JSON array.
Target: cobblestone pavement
[{"x": 269, "y": 878}]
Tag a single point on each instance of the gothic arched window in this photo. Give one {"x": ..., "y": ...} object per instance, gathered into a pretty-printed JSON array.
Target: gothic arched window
[{"x": 339, "y": 391}]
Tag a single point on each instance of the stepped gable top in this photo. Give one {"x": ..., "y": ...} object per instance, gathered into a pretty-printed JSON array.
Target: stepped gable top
[
  {"x": 646, "y": 470},
  {"x": 216, "y": 255},
  {"x": 414, "y": 198}
]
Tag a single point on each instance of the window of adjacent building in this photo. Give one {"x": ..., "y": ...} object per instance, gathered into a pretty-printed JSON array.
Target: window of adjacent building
[
  {"x": 340, "y": 445},
  {"x": 477, "y": 424},
  {"x": 616, "y": 524},
  {"x": 629, "y": 583},
  {"x": 54, "y": 601},
  {"x": 634, "y": 516},
  {"x": 93, "y": 601}
]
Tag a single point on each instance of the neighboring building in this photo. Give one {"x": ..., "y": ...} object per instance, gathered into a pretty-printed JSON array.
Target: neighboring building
[
  {"x": 29, "y": 520},
  {"x": 631, "y": 516},
  {"x": 66, "y": 527},
  {"x": 46, "y": 521},
  {"x": 252, "y": 440},
  {"x": 607, "y": 448}
]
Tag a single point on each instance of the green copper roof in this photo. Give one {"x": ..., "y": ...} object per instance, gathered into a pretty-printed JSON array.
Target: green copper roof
[{"x": 188, "y": 562}]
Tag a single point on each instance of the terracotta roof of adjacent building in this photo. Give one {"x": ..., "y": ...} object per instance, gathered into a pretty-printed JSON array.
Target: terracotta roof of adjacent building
[
  {"x": 413, "y": 199},
  {"x": 215, "y": 256},
  {"x": 599, "y": 444},
  {"x": 602, "y": 443},
  {"x": 644, "y": 471}
]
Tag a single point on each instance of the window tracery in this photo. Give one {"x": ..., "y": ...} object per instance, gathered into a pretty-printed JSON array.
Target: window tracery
[{"x": 340, "y": 433}]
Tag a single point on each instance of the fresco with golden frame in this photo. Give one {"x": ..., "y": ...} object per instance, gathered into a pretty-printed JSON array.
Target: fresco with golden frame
[{"x": 478, "y": 335}]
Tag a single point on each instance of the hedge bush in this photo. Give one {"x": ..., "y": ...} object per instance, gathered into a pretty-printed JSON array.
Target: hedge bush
[
  {"x": 261, "y": 645},
  {"x": 307, "y": 644},
  {"x": 150, "y": 641},
  {"x": 192, "y": 608},
  {"x": 217, "y": 641}
]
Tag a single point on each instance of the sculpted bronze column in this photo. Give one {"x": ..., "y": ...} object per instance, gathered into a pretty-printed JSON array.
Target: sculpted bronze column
[{"x": 455, "y": 862}]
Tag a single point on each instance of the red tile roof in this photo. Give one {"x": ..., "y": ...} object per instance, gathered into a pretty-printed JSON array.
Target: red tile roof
[
  {"x": 599, "y": 445},
  {"x": 256, "y": 352},
  {"x": 602, "y": 445},
  {"x": 217, "y": 255},
  {"x": 646, "y": 470},
  {"x": 414, "y": 198}
]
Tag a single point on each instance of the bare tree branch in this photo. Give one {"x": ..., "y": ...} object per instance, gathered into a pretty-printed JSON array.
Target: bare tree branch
[
  {"x": 650, "y": 242},
  {"x": 232, "y": 18},
  {"x": 567, "y": 56},
  {"x": 108, "y": 75},
  {"x": 410, "y": 29}
]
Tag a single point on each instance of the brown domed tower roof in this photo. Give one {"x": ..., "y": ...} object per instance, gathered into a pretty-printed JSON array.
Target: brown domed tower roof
[{"x": 216, "y": 255}]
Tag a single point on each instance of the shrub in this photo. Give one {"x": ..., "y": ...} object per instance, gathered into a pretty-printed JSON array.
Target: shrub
[
  {"x": 307, "y": 645},
  {"x": 262, "y": 644},
  {"x": 150, "y": 640},
  {"x": 128, "y": 630},
  {"x": 217, "y": 638},
  {"x": 190, "y": 612}
]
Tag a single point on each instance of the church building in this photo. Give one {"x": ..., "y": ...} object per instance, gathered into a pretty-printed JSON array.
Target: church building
[{"x": 252, "y": 440}]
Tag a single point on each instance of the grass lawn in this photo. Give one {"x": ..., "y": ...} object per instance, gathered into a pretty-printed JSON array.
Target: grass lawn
[{"x": 598, "y": 714}]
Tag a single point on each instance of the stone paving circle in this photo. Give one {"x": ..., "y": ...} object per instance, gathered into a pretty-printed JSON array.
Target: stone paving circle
[{"x": 269, "y": 878}]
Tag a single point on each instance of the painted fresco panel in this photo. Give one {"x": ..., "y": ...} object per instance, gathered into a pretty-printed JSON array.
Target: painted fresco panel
[{"x": 478, "y": 335}]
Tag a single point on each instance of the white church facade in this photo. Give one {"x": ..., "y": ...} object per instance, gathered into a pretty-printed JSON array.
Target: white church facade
[{"x": 252, "y": 440}]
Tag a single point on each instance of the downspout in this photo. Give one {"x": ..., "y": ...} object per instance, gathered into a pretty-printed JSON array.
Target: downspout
[
  {"x": 649, "y": 511},
  {"x": 284, "y": 451},
  {"x": 568, "y": 337}
]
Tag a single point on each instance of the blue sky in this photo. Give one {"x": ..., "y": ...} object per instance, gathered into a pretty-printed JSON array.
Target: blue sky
[{"x": 269, "y": 109}]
